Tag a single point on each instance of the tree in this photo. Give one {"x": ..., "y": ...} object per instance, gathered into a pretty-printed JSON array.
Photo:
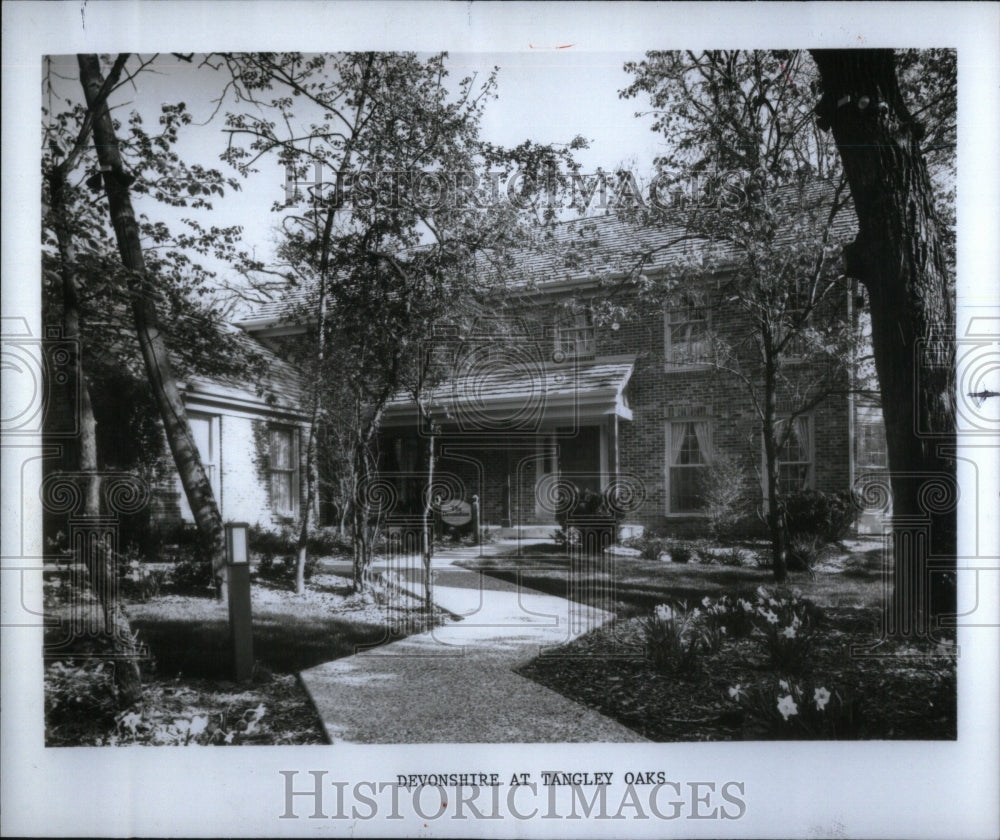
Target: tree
[
  {"x": 85, "y": 288},
  {"x": 901, "y": 256},
  {"x": 144, "y": 291},
  {"x": 392, "y": 234},
  {"x": 751, "y": 181}
]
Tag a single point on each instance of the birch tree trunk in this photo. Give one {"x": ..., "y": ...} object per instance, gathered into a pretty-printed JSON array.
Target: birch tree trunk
[{"x": 151, "y": 342}]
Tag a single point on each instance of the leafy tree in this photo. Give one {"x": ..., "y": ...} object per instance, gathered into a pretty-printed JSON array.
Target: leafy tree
[
  {"x": 153, "y": 272},
  {"x": 756, "y": 191},
  {"x": 402, "y": 234},
  {"x": 901, "y": 254}
]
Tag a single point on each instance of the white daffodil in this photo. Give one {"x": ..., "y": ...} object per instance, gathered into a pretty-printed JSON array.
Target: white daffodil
[{"x": 787, "y": 706}]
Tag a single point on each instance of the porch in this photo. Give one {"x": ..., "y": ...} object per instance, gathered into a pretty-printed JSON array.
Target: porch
[{"x": 513, "y": 438}]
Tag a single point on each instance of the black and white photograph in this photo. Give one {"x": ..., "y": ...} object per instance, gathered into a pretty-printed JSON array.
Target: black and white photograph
[{"x": 509, "y": 428}]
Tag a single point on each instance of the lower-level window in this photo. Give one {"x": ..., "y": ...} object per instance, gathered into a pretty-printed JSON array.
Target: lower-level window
[
  {"x": 689, "y": 452},
  {"x": 284, "y": 472},
  {"x": 795, "y": 458}
]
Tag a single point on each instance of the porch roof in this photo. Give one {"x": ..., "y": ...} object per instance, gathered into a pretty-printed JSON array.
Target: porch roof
[{"x": 520, "y": 398}]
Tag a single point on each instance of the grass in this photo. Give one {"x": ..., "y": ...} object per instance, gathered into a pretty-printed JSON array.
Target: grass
[
  {"x": 639, "y": 585},
  {"x": 186, "y": 678},
  {"x": 191, "y": 636}
]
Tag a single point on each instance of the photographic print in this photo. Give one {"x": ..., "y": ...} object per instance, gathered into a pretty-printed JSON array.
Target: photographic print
[{"x": 550, "y": 433}]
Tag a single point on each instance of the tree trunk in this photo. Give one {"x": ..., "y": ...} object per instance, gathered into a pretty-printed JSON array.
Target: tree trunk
[
  {"x": 898, "y": 255},
  {"x": 100, "y": 567},
  {"x": 154, "y": 351},
  {"x": 775, "y": 510},
  {"x": 427, "y": 540}
]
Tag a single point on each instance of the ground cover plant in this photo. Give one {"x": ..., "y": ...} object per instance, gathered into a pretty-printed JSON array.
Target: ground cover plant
[{"x": 711, "y": 651}]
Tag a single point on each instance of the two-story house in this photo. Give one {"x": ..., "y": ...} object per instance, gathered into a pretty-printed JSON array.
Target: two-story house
[{"x": 554, "y": 391}]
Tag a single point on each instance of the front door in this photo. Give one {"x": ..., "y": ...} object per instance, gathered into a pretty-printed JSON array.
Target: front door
[{"x": 580, "y": 458}]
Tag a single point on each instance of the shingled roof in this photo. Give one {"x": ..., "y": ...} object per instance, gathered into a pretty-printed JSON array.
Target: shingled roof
[
  {"x": 590, "y": 249},
  {"x": 281, "y": 388}
]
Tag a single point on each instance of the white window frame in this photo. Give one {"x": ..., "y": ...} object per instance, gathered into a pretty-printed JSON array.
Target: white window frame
[
  {"x": 811, "y": 462},
  {"x": 581, "y": 338},
  {"x": 671, "y": 349},
  {"x": 212, "y": 461},
  {"x": 670, "y": 467},
  {"x": 293, "y": 471},
  {"x": 863, "y": 451}
]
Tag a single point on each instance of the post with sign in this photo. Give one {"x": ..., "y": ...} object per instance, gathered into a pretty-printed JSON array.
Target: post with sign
[{"x": 240, "y": 621}]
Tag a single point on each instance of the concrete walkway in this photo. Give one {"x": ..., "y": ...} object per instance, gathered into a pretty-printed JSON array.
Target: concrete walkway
[{"x": 455, "y": 683}]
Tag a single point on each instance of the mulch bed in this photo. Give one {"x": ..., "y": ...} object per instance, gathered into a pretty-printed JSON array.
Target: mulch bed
[{"x": 898, "y": 693}]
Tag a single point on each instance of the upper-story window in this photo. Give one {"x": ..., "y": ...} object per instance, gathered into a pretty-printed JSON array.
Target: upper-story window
[
  {"x": 574, "y": 335},
  {"x": 795, "y": 318},
  {"x": 687, "y": 339}
]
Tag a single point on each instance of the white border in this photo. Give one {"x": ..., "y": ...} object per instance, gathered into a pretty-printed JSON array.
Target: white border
[{"x": 793, "y": 790}]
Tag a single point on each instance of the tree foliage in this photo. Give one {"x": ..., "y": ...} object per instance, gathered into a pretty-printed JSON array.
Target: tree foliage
[
  {"x": 401, "y": 235},
  {"x": 761, "y": 203}
]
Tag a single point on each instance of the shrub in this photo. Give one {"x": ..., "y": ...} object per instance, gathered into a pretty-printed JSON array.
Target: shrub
[
  {"x": 135, "y": 581},
  {"x": 733, "y": 556},
  {"x": 276, "y": 552},
  {"x": 786, "y": 625},
  {"x": 649, "y": 546},
  {"x": 261, "y": 540},
  {"x": 803, "y": 553},
  {"x": 827, "y": 517},
  {"x": 281, "y": 569},
  {"x": 76, "y": 692},
  {"x": 675, "y": 638},
  {"x": 727, "y": 495},
  {"x": 192, "y": 571},
  {"x": 782, "y": 709},
  {"x": 680, "y": 552},
  {"x": 324, "y": 542},
  {"x": 573, "y": 503}
]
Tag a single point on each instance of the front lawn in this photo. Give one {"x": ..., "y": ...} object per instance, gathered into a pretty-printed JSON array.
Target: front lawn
[{"x": 188, "y": 696}]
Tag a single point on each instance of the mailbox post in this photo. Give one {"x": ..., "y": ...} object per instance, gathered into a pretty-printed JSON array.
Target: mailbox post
[{"x": 240, "y": 621}]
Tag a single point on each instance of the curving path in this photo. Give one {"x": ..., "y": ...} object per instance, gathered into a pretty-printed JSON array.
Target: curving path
[{"x": 455, "y": 683}]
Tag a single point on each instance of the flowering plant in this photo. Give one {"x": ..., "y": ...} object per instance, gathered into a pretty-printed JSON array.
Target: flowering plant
[
  {"x": 675, "y": 638},
  {"x": 786, "y": 624},
  {"x": 782, "y": 708},
  {"x": 734, "y": 614}
]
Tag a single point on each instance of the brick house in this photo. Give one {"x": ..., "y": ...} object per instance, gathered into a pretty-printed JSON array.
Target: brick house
[{"x": 545, "y": 394}]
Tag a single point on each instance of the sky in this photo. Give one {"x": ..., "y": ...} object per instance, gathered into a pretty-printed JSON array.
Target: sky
[{"x": 547, "y": 94}]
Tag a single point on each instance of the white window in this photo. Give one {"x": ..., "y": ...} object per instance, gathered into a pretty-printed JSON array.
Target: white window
[
  {"x": 795, "y": 457},
  {"x": 575, "y": 335},
  {"x": 872, "y": 448},
  {"x": 205, "y": 431},
  {"x": 689, "y": 451},
  {"x": 687, "y": 336},
  {"x": 284, "y": 470}
]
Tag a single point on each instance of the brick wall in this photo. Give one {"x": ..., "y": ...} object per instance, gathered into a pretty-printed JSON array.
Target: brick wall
[{"x": 658, "y": 393}]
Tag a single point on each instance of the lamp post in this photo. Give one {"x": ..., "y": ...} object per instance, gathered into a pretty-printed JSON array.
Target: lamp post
[{"x": 240, "y": 621}]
